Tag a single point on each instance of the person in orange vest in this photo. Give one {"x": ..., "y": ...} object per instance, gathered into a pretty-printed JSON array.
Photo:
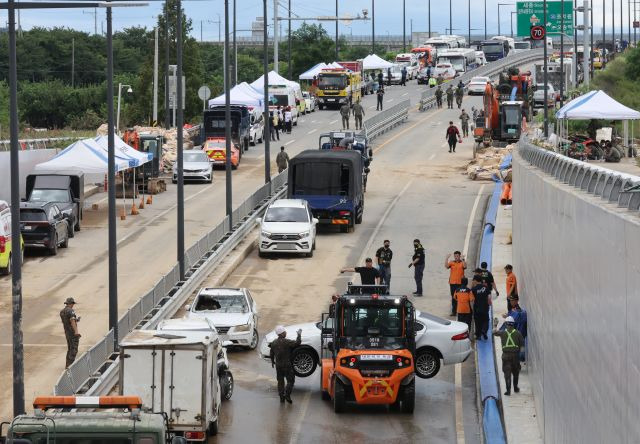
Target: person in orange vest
[
  {"x": 512, "y": 284},
  {"x": 456, "y": 269},
  {"x": 464, "y": 302}
]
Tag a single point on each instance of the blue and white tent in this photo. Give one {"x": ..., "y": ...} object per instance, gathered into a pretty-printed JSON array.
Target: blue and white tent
[
  {"x": 124, "y": 151},
  {"x": 84, "y": 155},
  {"x": 596, "y": 105}
]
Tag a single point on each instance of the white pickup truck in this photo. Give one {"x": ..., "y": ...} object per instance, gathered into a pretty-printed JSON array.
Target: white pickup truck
[
  {"x": 538, "y": 95},
  {"x": 410, "y": 60}
]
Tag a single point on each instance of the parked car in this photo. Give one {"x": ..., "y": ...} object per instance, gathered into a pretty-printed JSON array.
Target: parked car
[
  {"x": 216, "y": 150},
  {"x": 256, "y": 130},
  {"x": 422, "y": 76},
  {"x": 232, "y": 310},
  {"x": 64, "y": 188},
  {"x": 438, "y": 340},
  {"x": 6, "y": 240},
  {"x": 195, "y": 166},
  {"x": 44, "y": 226},
  {"x": 446, "y": 70},
  {"x": 477, "y": 85},
  {"x": 538, "y": 95},
  {"x": 310, "y": 100},
  {"x": 288, "y": 227}
]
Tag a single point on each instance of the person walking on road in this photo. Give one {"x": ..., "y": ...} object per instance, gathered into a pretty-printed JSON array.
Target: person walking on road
[
  {"x": 464, "y": 303},
  {"x": 487, "y": 276},
  {"x": 358, "y": 112},
  {"x": 459, "y": 94},
  {"x": 512, "y": 341},
  {"x": 345, "y": 111},
  {"x": 482, "y": 301},
  {"x": 380, "y": 80},
  {"x": 438, "y": 94},
  {"x": 453, "y": 137},
  {"x": 281, "y": 119},
  {"x": 384, "y": 256},
  {"x": 464, "y": 123},
  {"x": 288, "y": 119},
  {"x": 449, "y": 97},
  {"x": 368, "y": 274},
  {"x": 512, "y": 284},
  {"x": 380, "y": 98},
  {"x": 280, "y": 355},
  {"x": 70, "y": 325},
  {"x": 418, "y": 263},
  {"x": 403, "y": 76},
  {"x": 432, "y": 82},
  {"x": 275, "y": 127},
  {"x": 456, "y": 269},
  {"x": 388, "y": 76},
  {"x": 282, "y": 160}
]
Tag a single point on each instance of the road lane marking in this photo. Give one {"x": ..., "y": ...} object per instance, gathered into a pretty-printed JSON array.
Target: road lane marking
[
  {"x": 390, "y": 100},
  {"x": 333, "y": 121},
  {"x": 404, "y": 94},
  {"x": 458, "y": 367},
  {"x": 432, "y": 156},
  {"x": 301, "y": 415},
  {"x": 405, "y": 130},
  {"x": 289, "y": 142},
  {"x": 312, "y": 131}
]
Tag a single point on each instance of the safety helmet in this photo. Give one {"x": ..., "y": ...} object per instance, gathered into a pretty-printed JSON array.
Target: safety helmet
[{"x": 510, "y": 320}]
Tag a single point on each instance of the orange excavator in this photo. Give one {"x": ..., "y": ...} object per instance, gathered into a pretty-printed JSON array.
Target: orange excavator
[{"x": 498, "y": 120}]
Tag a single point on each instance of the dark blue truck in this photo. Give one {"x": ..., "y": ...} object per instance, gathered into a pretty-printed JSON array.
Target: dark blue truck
[{"x": 332, "y": 183}]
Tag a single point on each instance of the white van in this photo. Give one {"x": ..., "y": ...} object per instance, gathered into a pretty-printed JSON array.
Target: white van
[
  {"x": 6, "y": 239},
  {"x": 256, "y": 130},
  {"x": 283, "y": 95}
]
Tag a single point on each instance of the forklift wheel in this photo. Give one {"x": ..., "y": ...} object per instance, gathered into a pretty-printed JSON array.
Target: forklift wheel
[{"x": 338, "y": 397}]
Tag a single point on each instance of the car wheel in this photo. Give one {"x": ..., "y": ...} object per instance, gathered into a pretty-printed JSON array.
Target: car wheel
[
  {"x": 65, "y": 243},
  {"x": 6, "y": 270},
  {"x": 409, "y": 397},
  {"x": 255, "y": 338},
  {"x": 77, "y": 226},
  {"x": 359, "y": 217},
  {"x": 310, "y": 253},
  {"x": 320, "y": 106},
  {"x": 53, "y": 249},
  {"x": 234, "y": 167},
  {"x": 338, "y": 397},
  {"x": 71, "y": 231},
  {"x": 304, "y": 361},
  {"x": 226, "y": 385},
  {"x": 427, "y": 363},
  {"x": 212, "y": 430},
  {"x": 174, "y": 181},
  {"x": 262, "y": 254}
]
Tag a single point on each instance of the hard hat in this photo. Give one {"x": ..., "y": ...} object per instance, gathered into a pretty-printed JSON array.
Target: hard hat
[
  {"x": 509, "y": 320},
  {"x": 280, "y": 329}
]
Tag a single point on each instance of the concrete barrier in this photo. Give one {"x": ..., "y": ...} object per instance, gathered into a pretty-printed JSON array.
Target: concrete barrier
[{"x": 577, "y": 257}]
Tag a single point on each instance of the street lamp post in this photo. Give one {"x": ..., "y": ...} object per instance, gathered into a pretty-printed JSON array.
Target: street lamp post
[
  {"x": 429, "y": 13},
  {"x": 267, "y": 119},
  {"x": 512, "y": 12},
  {"x": 373, "y": 26},
  {"x": 501, "y": 4},
  {"x": 485, "y": 19},
  {"x": 450, "y": 18},
  {"x": 337, "y": 57},
  {"x": 404, "y": 26},
  {"x": 546, "y": 74},
  {"x": 129, "y": 91}
]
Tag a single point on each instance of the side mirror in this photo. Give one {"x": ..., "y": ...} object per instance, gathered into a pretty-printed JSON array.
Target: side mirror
[
  {"x": 314, "y": 220},
  {"x": 258, "y": 220}
]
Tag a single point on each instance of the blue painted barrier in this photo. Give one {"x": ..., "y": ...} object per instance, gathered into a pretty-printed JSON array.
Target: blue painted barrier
[
  {"x": 506, "y": 162},
  {"x": 489, "y": 389}
]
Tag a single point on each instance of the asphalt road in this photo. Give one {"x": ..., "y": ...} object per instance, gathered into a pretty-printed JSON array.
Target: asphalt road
[
  {"x": 416, "y": 189},
  {"x": 146, "y": 249}
]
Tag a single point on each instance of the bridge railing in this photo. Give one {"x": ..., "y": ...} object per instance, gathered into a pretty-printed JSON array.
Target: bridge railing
[{"x": 386, "y": 120}]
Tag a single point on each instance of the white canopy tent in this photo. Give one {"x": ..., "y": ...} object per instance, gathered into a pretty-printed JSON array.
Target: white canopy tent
[
  {"x": 372, "y": 61},
  {"x": 84, "y": 155},
  {"x": 596, "y": 105},
  {"x": 274, "y": 79},
  {"x": 238, "y": 97},
  {"x": 334, "y": 65},
  {"x": 125, "y": 151},
  {"x": 247, "y": 89},
  {"x": 313, "y": 72}
]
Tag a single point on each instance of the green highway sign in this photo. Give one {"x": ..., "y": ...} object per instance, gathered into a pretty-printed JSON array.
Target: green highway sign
[{"x": 531, "y": 13}]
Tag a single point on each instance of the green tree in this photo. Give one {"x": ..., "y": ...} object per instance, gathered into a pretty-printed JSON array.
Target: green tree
[{"x": 310, "y": 45}]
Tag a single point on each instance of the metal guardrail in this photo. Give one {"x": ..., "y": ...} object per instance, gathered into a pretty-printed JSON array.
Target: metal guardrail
[
  {"x": 612, "y": 186},
  {"x": 428, "y": 99},
  {"x": 36, "y": 144},
  {"x": 94, "y": 372},
  {"x": 387, "y": 119}
]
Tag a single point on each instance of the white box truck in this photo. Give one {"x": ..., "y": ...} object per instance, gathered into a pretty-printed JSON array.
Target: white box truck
[{"x": 176, "y": 373}]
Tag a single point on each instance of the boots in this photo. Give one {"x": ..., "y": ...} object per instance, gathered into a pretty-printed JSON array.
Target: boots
[
  {"x": 515, "y": 383},
  {"x": 507, "y": 382}
]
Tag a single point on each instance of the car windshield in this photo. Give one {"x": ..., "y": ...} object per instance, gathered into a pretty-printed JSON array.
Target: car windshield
[
  {"x": 376, "y": 326},
  {"x": 496, "y": 48},
  {"x": 480, "y": 80},
  {"x": 284, "y": 214},
  {"x": 522, "y": 45},
  {"x": 226, "y": 303},
  {"x": 39, "y": 195},
  {"x": 279, "y": 100},
  {"x": 27, "y": 215},
  {"x": 196, "y": 157}
]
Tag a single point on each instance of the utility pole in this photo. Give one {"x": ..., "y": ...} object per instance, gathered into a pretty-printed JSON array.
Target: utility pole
[
  {"x": 289, "y": 41},
  {"x": 429, "y": 12},
  {"x": 16, "y": 259},
  {"x": 546, "y": 74},
  {"x": 155, "y": 77},
  {"x": 613, "y": 24},
  {"x": 95, "y": 19},
  {"x": 167, "y": 117},
  {"x": 373, "y": 26},
  {"x": 337, "y": 49},
  {"x": 267, "y": 119},
  {"x": 404, "y": 24},
  {"x": 275, "y": 36},
  {"x": 591, "y": 35},
  {"x": 227, "y": 105},
  {"x": 469, "y": 23},
  {"x": 604, "y": 6},
  {"x": 585, "y": 35},
  {"x": 73, "y": 61},
  {"x": 485, "y": 19},
  {"x": 179, "y": 147},
  {"x": 621, "y": 24},
  {"x": 235, "y": 47},
  {"x": 451, "y": 18},
  {"x": 561, "y": 53}
]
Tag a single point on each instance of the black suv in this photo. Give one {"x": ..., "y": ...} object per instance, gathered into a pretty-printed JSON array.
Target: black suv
[{"x": 44, "y": 226}]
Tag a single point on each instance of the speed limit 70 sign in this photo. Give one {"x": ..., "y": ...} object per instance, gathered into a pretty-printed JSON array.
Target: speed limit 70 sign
[{"x": 537, "y": 32}]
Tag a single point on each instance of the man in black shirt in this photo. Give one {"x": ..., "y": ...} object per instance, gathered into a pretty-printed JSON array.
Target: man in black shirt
[
  {"x": 418, "y": 261},
  {"x": 368, "y": 274},
  {"x": 482, "y": 300},
  {"x": 384, "y": 256},
  {"x": 487, "y": 276}
]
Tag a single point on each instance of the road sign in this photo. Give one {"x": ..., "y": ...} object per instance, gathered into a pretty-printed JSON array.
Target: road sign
[
  {"x": 537, "y": 32},
  {"x": 636, "y": 24},
  {"x": 204, "y": 92},
  {"x": 173, "y": 94},
  {"x": 530, "y": 9}
]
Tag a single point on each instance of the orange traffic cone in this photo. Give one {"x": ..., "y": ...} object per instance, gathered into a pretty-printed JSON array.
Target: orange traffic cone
[
  {"x": 141, "y": 206},
  {"x": 149, "y": 200},
  {"x": 134, "y": 209},
  {"x": 123, "y": 216}
]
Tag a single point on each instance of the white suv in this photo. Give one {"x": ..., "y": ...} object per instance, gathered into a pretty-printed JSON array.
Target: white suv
[
  {"x": 310, "y": 101},
  {"x": 288, "y": 227}
]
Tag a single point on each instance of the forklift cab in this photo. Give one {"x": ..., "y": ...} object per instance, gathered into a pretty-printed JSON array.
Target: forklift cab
[
  {"x": 151, "y": 143},
  {"x": 511, "y": 120}
]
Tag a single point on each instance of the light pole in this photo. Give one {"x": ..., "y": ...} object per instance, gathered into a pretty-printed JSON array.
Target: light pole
[
  {"x": 485, "y": 19},
  {"x": 267, "y": 119},
  {"x": 512, "y": 12},
  {"x": 179, "y": 143},
  {"x": 429, "y": 12},
  {"x": 337, "y": 57},
  {"x": 546, "y": 74},
  {"x": 129, "y": 91},
  {"x": 373, "y": 26},
  {"x": 501, "y": 4},
  {"x": 404, "y": 26},
  {"x": 450, "y": 18}
]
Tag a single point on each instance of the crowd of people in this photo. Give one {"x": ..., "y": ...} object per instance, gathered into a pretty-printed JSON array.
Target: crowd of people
[{"x": 281, "y": 121}]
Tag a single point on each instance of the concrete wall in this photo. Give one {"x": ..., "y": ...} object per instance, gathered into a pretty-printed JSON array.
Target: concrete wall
[
  {"x": 28, "y": 160},
  {"x": 577, "y": 260}
]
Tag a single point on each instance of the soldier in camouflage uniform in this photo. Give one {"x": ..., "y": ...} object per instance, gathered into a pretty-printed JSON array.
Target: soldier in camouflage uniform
[
  {"x": 281, "y": 359},
  {"x": 439, "y": 96},
  {"x": 70, "y": 324}
]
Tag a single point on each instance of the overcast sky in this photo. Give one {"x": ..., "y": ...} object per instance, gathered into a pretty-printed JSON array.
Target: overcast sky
[{"x": 388, "y": 16}]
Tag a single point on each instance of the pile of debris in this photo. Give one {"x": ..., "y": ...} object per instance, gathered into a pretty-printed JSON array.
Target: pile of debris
[
  {"x": 486, "y": 165},
  {"x": 170, "y": 141}
]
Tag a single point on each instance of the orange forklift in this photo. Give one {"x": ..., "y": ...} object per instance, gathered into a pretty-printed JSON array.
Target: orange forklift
[{"x": 368, "y": 347}]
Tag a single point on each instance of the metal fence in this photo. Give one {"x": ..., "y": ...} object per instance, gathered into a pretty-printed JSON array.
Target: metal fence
[
  {"x": 384, "y": 121},
  {"x": 89, "y": 367},
  {"x": 428, "y": 99},
  {"x": 37, "y": 144},
  {"x": 614, "y": 187}
]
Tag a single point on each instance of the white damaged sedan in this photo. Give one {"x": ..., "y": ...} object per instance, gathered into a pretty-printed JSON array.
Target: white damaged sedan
[{"x": 438, "y": 340}]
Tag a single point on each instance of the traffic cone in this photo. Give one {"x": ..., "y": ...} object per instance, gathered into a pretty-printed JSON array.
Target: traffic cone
[
  {"x": 149, "y": 200},
  {"x": 123, "y": 216},
  {"x": 141, "y": 206},
  {"x": 134, "y": 209}
]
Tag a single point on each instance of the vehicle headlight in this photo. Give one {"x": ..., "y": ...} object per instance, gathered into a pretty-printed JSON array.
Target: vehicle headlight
[
  {"x": 206, "y": 170},
  {"x": 68, "y": 211},
  {"x": 305, "y": 234},
  {"x": 266, "y": 234},
  {"x": 243, "y": 327}
]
